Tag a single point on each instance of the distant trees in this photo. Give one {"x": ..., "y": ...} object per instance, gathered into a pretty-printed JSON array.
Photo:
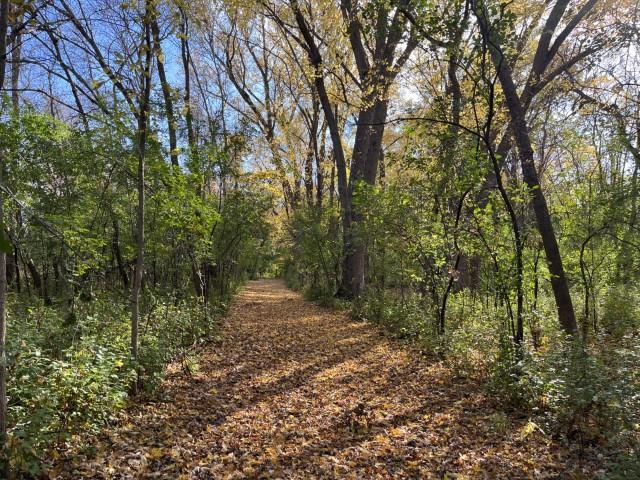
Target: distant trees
[{"x": 282, "y": 69}]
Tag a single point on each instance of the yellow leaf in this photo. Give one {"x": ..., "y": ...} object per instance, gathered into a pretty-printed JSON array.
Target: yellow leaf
[{"x": 156, "y": 453}]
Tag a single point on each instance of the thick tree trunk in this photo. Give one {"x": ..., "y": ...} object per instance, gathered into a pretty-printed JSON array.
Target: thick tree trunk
[
  {"x": 364, "y": 166},
  {"x": 376, "y": 75}
]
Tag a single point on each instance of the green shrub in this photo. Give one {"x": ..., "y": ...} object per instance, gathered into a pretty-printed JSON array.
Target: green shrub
[
  {"x": 70, "y": 373},
  {"x": 406, "y": 318},
  {"x": 52, "y": 399},
  {"x": 313, "y": 255},
  {"x": 585, "y": 396},
  {"x": 620, "y": 314},
  {"x": 624, "y": 466},
  {"x": 170, "y": 331}
]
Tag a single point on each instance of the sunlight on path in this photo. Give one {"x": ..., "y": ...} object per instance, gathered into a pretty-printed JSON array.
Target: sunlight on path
[{"x": 297, "y": 391}]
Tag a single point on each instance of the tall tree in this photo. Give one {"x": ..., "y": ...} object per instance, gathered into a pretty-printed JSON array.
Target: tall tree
[
  {"x": 381, "y": 43},
  {"x": 520, "y": 128},
  {"x": 144, "y": 95},
  {"x": 4, "y": 459},
  {"x": 137, "y": 95}
]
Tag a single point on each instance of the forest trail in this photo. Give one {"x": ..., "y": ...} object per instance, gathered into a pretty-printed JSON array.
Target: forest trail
[{"x": 294, "y": 390}]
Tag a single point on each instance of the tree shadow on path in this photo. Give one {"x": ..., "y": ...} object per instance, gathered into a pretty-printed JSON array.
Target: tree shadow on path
[{"x": 298, "y": 391}]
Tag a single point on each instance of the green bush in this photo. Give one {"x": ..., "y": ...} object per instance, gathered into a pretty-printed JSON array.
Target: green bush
[
  {"x": 406, "y": 318},
  {"x": 312, "y": 262},
  {"x": 624, "y": 466},
  {"x": 170, "y": 331},
  {"x": 620, "y": 314},
  {"x": 53, "y": 399},
  {"x": 585, "y": 395},
  {"x": 70, "y": 373}
]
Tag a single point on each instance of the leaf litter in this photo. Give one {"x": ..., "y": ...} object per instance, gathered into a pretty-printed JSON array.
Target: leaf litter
[{"x": 294, "y": 391}]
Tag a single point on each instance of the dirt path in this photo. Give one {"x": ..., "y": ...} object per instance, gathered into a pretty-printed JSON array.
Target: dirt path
[{"x": 297, "y": 391}]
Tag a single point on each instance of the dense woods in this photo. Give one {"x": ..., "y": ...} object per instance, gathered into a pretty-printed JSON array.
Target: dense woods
[{"x": 462, "y": 173}]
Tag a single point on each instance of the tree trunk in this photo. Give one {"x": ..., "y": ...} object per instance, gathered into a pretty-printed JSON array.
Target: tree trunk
[
  {"x": 197, "y": 279},
  {"x": 16, "y": 57},
  {"x": 141, "y": 151},
  {"x": 166, "y": 93},
  {"x": 559, "y": 283},
  {"x": 320, "y": 154},
  {"x": 4, "y": 457},
  {"x": 376, "y": 75},
  {"x": 364, "y": 166},
  {"x": 35, "y": 276},
  {"x": 115, "y": 245},
  {"x": 308, "y": 176},
  {"x": 315, "y": 59},
  {"x": 185, "y": 52}
]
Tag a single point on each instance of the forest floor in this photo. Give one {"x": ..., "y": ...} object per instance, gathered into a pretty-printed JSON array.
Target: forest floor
[{"x": 293, "y": 390}]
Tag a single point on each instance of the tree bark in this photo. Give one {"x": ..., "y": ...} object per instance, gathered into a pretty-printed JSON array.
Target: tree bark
[
  {"x": 16, "y": 58},
  {"x": 364, "y": 166},
  {"x": 185, "y": 53},
  {"x": 321, "y": 153},
  {"x": 36, "y": 278},
  {"x": 143, "y": 112}
]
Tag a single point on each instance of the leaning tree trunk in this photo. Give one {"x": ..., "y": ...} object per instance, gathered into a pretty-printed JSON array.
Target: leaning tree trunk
[{"x": 559, "y": 283}]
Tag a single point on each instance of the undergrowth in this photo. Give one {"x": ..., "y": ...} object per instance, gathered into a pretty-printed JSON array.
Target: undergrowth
[{"x": 71, "y": 371}]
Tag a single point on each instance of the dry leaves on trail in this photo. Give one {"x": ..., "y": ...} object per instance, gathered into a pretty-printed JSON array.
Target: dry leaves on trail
[{"x": 297, "y": 391}]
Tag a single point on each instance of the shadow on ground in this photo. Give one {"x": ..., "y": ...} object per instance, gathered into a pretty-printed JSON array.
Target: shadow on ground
[{"x": 297, "y": 391}]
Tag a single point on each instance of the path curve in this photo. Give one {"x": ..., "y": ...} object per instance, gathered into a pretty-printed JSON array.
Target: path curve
[{"x": 294, "y": 390}]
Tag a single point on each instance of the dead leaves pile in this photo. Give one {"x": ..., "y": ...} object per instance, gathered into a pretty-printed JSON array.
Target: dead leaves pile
[{"x": 296, "y": 391}]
